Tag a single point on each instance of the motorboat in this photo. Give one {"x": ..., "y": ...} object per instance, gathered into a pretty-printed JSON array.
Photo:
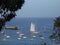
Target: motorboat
[{"x": 11, "y": 27}]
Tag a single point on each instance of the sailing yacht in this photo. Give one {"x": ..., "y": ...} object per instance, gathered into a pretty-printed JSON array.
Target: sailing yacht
[{"x": 33, "y": 29}]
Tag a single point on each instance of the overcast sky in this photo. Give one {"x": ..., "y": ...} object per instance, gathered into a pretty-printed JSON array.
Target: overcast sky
[{"x": 40, "y": 8}]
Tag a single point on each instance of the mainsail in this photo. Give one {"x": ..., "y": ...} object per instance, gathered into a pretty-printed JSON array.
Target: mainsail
[{"x": 32, "y": 28}]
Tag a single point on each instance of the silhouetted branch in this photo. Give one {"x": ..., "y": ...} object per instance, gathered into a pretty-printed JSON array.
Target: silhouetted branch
[{"x": 7, "y": 10}]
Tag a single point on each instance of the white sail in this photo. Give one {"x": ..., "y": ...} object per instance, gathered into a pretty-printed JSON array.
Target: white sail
[{"x": 32, "y": 28}]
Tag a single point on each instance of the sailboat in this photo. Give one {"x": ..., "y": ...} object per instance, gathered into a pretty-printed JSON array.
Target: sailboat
[
  {"x": 33, "y": 31},
  {"x": 33, "y": 28}
]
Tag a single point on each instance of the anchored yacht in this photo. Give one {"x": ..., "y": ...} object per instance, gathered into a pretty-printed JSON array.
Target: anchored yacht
[{"x": 11, "y": 27}]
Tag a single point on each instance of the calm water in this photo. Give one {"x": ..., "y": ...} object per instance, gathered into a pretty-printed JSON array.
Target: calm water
[{"x": 43, "y": 25}]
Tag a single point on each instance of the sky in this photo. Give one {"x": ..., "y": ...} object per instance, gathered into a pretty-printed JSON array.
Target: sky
[{"x": 40, "y": 8}]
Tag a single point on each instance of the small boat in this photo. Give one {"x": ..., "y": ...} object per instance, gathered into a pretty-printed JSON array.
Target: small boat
[
  {"x": 42, "y": 38},
  {"x": 21, "y": 35},
  {"x": 7, "y": 36},
  {"x": 19, "y": 38},
  {"x": 18, "y": 32},
  {"x": 34, "y": 36},
  {"x": 24, "y": 37}
]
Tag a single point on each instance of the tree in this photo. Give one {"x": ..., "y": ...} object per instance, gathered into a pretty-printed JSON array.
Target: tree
[
  {"x": 56, "y": 29},
  {"x": 7, "y": 10},
  {"x": 57, "y": 22}
]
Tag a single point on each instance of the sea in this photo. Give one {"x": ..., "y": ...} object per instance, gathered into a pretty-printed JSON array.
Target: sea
[{"x": 44, "y": 27}]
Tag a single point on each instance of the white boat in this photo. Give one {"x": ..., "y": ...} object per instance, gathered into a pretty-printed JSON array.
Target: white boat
[
  {"x": 33, "y": 28},
  {"x": 34, "y": 36},
  {"x": 24, "y": 37},
  {"x": 42, "y": 38},
  {"x": 7, "y": 36},
  {"x": 19, "y": 38},
  {"x": 21, "y": 35},
  {"x": 17, "y": 32}
]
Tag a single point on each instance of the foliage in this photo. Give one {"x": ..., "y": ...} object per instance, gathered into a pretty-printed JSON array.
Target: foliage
[
  {"x": 57, "y": 22},
  {"x": 56, "y": 30},
  {"x": 7, "y": 10}
]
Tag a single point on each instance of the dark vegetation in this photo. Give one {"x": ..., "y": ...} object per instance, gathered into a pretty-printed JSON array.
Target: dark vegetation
[
  {"x": 57, "y": 22},
  {"x": 56, "y": 30},
  {"x": 7, "y": 10}
]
